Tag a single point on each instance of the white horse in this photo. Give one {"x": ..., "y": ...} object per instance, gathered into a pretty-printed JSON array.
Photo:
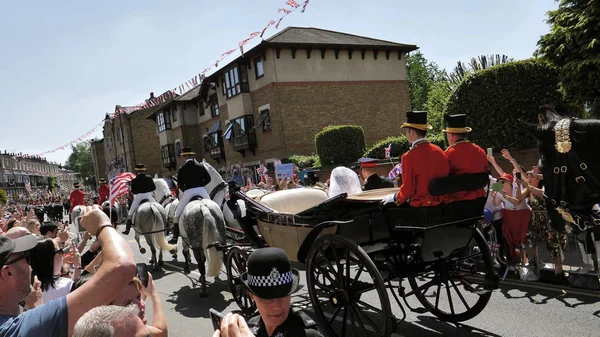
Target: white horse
[
  {"x": 150, "y": 220},
  {"x": 163, "y": 195}
]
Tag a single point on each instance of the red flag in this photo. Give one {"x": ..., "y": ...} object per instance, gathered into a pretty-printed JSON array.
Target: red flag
[
  {"x": 278, "y": 22},
  {"x": 286, "y": 11},
  {"x": 255, "y": 34},
  {"x": 304, "y": 7},
  {"x": 119, "y": 185}
]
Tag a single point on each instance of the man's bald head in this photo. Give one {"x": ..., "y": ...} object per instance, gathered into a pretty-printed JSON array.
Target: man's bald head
[{"x": 17, "y": 232}]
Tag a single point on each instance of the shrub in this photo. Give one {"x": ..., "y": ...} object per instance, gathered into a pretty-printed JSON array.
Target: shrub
[
  {"x": 494, "y": 99},
  {"x": 3, "y": 197},
  {"x": 399, "y": 145},
  {"x": 340, "y": 144},
  {"x": 437, "y": 139},
  {"x": 300, "y": 160}
]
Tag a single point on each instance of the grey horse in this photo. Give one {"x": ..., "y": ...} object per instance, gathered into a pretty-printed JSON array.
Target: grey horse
[
  {"x": 150, "y": 220},
  {"x": 201, "y": 224}
]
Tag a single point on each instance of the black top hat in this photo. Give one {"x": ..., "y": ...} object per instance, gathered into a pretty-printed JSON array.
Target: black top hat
[
  {"x": 417, "y": 120},
  {"x": 270, "y": 274},
  {"x": 187, "y": 151},
  {"x": 103, "y": 180},
  {"x": 456, "y": 123},
  {"x": 18, "y": 245},
  {"x": 76, "y": 185},
  {"x": 140, "y": 167}
]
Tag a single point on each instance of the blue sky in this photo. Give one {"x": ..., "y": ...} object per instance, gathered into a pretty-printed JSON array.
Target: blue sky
[{"x": 64, "y": 64}]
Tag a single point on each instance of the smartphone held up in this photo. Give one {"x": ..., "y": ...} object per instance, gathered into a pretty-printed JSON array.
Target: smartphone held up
[
  {"x": 142, "y": 271},
  {"x": 216, "y": 318}
]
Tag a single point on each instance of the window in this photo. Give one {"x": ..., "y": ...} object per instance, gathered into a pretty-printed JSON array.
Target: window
[
  {"x": 177, "y": 148},
  {"x": 164, "y": 121},
  {"x": 201, "y": 108},
  {"x": 243, "y": 134},
  {"x": 214, "y": 105},
  {"x": 264, "y": 120},
  {"x": 228, "y": 131},
  {"x": 258, "y": 67},
  {"x": 167, "y": 153},
  {"x": 232, "y": 82},
  {"x": 174, "y": 114}
]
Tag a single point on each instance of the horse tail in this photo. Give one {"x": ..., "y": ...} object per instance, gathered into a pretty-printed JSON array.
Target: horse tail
[
  {"x": 159, "y": 237},
  {"x": 214, "y": 258}
]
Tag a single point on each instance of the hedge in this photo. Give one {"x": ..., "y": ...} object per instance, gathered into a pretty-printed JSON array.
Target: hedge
[
  {"x": 340, "y": 144},
  {"x": 301, "y": 161},
  {"x": 400, "y": 145},
  {"x": 3, "y": 197},
  {"x": 495, "y": 99}
]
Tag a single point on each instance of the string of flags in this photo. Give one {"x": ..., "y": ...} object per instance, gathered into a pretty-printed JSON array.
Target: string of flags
[{"x": 191, "y": 83}]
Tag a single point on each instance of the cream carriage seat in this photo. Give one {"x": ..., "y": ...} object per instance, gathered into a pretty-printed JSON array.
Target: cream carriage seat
[{"x": 295, "y": 200}]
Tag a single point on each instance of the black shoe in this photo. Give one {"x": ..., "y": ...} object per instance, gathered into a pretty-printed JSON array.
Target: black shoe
[
  {"x": 175, "y": 237},
  {"x": 127, "y": 227}
]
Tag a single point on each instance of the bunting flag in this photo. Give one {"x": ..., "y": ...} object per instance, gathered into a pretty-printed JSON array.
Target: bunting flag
[
  {"x": 388, "y": 151},
  {"x": 189, "y": 84}
]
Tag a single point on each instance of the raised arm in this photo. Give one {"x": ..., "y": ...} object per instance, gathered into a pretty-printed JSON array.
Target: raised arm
[
  {"x": 498, "y": 169},
  {"x": 506, "y": 154},
  {"x": 159, "y": 321},
  {"x": 118, "y": 267}
]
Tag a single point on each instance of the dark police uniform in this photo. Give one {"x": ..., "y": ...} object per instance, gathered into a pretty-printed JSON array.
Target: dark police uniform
[
  {"x": 297, "y": 324},
  {"x": 142, "y": 183}
]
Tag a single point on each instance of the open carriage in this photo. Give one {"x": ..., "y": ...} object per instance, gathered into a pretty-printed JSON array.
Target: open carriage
[{"x": 357, "y": 253}]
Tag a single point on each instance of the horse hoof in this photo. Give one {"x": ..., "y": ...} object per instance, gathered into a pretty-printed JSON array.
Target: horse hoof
[
  {"x": 142, "y": 250},
  {"x": 186, "y": 270}
]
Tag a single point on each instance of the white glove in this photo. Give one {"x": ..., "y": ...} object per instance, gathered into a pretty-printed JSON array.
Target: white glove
[{"x": 390, "y": 198}]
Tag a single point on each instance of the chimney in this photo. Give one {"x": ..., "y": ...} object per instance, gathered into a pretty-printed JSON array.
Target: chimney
[{"x": 151, "y": 95}]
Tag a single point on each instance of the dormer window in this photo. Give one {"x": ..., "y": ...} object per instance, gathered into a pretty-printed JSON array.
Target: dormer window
[{"x": 259, "y": 71}]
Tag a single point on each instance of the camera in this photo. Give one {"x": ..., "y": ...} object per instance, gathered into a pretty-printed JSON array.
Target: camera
[
  {"x": 142, "y": 270},
  {"x": 518, "y": 175}
]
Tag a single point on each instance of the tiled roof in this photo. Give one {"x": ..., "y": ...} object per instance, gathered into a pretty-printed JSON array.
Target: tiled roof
[{"x": 317, "y": 36}]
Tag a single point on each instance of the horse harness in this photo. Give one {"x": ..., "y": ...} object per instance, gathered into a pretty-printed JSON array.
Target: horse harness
[
  {"x": 586, "y": 180},
  {"x": 221, "y": 186},
  {"x": 165, "y": 198}
]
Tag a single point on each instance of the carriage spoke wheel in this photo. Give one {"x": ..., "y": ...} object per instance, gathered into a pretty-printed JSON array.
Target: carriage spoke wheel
[
  {"x": 346, "y": 289},
  {"x": 236, "y": 264},
  {"x": 459, "y": 286}
]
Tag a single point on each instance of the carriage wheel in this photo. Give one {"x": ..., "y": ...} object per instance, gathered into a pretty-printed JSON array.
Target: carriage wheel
[
  {"x": 341, "y": 278},
  {"x": 236, "y": 264},
  {"x": 457, "y": 287}
]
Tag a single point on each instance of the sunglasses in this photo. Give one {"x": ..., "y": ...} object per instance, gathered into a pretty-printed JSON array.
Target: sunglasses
[{"x": 26, "y": 255}]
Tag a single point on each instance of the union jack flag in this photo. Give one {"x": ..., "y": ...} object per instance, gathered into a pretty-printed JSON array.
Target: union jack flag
[
  {"x": 388, "y": 151},
  {"x": 119, "y": 185},
  {"x": 286, "y": 11},
  {"x": 292, "y": 3},
  {"x": 396, "y": 171},
  {"x": 304, "y": 7}
]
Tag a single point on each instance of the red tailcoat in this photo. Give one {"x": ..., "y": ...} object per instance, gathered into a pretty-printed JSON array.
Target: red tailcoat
[
  {"x": 465, "y": 157},
  {"x": 76, "y": 198},
  {"x": 103, "y": 191},
  {"x": 420, "y": 165}
]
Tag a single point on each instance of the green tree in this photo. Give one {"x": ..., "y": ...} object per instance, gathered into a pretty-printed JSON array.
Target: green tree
[
  {"x": 421, "y": 75},
  {"x": 80, "y": 159},
  {"x": 573, "y": 46},
  {"x": 3, "y": 197}
]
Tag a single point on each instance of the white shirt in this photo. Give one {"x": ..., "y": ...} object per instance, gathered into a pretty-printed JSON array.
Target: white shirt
[
  {"x": 416, "y": 141},
  {"x": 62, "y": 287}
]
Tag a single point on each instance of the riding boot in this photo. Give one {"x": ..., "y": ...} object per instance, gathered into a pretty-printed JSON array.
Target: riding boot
[
  {"x": 175, "y": 237},
  {"x": 127, "y": 226}
]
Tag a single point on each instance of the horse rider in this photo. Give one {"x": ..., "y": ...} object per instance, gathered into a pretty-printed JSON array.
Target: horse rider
[
  {"x": 463, "y": 156},
  {"x": 103, "y": 191},
  {"x": 420, "y": 165},
  {"x": 370, "y": 177},
  {"x": 77, "y": 197},
  {"x": 191, "y": 179},
  {"x": 142, "y": 187}
]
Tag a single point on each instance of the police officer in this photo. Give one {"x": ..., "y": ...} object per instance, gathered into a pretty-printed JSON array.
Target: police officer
[
  {"x": 270, "y": 281},
  {"x": 141, "y": 187},
  {"x": 191, "y": 179}
]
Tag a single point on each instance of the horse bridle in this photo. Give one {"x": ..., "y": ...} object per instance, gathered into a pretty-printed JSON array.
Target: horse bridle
[
  {"x": 221, "y": 186},
  {"x": 167, "y": 196},
  {"x": 586, "y": 180}
]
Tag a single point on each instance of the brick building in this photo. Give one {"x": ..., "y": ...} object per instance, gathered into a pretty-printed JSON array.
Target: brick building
[
  {"x": 20, "y": 173},
  {"x": 271, "y": 101},
  {"x": 98, "y": 160},
  {"x": 130, "y": 139}
]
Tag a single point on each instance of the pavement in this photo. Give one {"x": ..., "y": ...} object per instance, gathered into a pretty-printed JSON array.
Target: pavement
[{"x": 516, "y": 309}]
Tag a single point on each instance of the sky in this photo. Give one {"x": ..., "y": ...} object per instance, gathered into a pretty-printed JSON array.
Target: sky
[{"x": 65, "y": 64}]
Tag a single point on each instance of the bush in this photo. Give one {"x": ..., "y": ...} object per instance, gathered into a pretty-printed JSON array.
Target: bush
[
  {"x": 3, "y": 197},
  {"x": 301, "y": 161},
  {"x": 494, "y": 99},
  {"x": 340, "y": 144},
  {"x": 437, "y": 139},
  {"x": 399, "y": 145}
]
